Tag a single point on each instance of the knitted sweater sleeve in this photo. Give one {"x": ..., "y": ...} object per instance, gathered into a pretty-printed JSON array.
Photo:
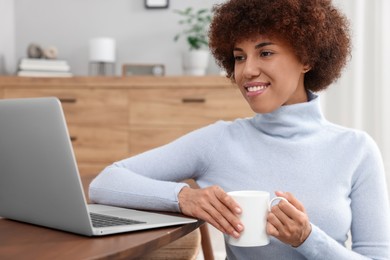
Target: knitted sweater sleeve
[
  {"x": 370, "y": 227},
  {"x": 152, "y": 180}
]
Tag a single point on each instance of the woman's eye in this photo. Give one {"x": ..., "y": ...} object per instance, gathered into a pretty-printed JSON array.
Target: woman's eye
[
  {"x": 265, "y": 53},
  {"x": 239, "y": 58}
]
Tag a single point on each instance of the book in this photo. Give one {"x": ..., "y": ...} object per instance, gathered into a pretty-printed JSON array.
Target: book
[
  {"x": 43, "y": 65},
  {"x": 42, "y": 61},
  {"x": 44, "y": 74}
]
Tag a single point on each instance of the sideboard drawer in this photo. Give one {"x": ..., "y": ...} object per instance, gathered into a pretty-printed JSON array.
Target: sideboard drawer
[
  {"x": 99, "y": 144},
  {"x": 87, "y": 106},
  {"x": 186, "y": 106}
]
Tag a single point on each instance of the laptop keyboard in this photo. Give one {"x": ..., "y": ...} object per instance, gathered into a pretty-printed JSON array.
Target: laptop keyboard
[{"x": 99, "y": 220}]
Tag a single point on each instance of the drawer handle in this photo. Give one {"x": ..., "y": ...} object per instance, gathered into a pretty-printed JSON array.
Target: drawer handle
[
  {"x": 193, "y": 100},
  {"x": 73, "y": 138},
  {"x": 68, "y": 100}
]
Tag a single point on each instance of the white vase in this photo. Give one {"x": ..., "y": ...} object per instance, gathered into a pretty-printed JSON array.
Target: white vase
[{"x": 195, "y": 62}]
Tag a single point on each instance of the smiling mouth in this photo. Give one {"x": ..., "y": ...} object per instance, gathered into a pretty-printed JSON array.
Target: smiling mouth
[{"x": 256, "y": 88}]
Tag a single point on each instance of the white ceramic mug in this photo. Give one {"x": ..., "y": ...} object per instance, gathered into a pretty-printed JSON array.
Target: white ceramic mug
[{"x": 255, "y": 206}]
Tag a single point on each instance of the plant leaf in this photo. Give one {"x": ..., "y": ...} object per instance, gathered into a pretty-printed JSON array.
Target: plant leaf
[{"x": 195, "y": 24}]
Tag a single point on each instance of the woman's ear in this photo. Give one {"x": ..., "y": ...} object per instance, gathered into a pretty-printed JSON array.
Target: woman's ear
[{"x": 306, "y": 68}]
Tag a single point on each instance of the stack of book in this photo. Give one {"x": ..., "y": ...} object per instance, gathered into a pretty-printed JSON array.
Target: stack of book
[{"x": 43, "y": 68}]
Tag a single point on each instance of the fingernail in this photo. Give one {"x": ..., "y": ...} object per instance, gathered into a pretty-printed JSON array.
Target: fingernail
[
  {"x": 238, "y": 210},
  {"x": 240, "y": 227},
  {"x": 236, "y": 234}
]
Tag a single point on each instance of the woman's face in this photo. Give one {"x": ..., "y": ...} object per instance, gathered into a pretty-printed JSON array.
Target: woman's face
[{"x": 268, "y": 74}]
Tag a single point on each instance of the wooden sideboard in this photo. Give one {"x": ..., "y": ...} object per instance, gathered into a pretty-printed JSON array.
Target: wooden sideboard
[{"x": 111, "y": 118}]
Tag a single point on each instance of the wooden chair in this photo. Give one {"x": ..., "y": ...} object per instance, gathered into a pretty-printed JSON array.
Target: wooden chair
[{"x": 185, "y": 248}]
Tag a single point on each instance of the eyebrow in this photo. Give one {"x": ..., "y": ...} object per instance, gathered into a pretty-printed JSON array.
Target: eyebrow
[
  {"x": 263, "y": 44},
  {"x": 257, "y": 46}
]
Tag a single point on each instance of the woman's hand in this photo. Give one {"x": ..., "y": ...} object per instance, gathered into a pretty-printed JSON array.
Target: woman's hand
[
  {"x": 214, "y": 206},
  {"x": 289, "y": 222}
]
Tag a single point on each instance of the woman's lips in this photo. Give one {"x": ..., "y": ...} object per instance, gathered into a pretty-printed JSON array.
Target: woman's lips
[{"x": 254, "y": 89}]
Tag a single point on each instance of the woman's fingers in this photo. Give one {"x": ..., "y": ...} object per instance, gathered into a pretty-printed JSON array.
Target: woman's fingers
[
  {"x": 212, "y": 205},
  {"x": 226, "y": 210},
  {"x": 288, "y": 221},
  {"x": 292, "y": 199}
]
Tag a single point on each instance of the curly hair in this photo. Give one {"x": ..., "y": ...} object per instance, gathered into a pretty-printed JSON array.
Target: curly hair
[{"x": 315, "y": 29}]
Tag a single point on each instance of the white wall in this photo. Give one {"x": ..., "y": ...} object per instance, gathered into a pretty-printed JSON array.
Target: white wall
[
  {"x": 142, "y": 35},
  {"x": 7, "y": 39}
]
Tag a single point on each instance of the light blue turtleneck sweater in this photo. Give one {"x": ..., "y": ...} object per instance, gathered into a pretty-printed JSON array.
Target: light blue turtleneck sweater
[{"x": 337, "y": 173}]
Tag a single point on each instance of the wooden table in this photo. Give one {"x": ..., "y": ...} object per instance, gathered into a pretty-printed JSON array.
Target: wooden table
[{"x": 25, "y": 241}]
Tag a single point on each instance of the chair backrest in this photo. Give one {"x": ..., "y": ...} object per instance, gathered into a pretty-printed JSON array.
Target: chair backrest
[
  {"x": 187, "y": 247},
  {"x": 143, "y": 69}
]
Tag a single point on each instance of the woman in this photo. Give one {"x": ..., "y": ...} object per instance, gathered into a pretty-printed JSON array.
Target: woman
[{"x": 278, "y": 53}]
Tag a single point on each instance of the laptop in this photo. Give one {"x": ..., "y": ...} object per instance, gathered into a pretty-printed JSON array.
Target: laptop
[{"x": 39, "y": 179}]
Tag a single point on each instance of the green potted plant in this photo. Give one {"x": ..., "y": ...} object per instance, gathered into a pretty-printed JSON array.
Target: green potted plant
[{"x": 195, "y": 25}]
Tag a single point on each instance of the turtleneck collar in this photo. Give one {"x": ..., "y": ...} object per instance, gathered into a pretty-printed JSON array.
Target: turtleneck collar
[{"x": 292, "y": 121}]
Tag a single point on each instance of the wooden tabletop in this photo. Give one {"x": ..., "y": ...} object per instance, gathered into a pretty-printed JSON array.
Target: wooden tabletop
[{"x": 25, "y": 241}]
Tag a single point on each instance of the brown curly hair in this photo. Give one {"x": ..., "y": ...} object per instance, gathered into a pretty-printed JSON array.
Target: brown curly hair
[{"x": 315, "y": 29}]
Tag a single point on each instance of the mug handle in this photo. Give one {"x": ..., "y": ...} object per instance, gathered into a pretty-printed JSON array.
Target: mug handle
[{"x": 274, "y": 199}]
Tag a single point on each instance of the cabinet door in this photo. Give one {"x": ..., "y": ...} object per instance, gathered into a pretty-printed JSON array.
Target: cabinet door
[
  {"x": 104, "y": 144},
  {"x": 144, "y": 138},
  {"x": 86, "y": 106},
  {"x": 175, "y": 106}
]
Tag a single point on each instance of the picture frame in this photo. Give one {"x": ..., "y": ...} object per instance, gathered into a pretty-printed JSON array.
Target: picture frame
[{"x": 156, "y": 4}]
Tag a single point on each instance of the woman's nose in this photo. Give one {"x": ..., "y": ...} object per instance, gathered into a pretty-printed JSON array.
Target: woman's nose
[{"x": 251, "y": 68}]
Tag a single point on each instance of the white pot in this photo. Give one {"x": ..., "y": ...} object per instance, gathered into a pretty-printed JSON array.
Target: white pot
[{"x": 195, "y": 62}]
